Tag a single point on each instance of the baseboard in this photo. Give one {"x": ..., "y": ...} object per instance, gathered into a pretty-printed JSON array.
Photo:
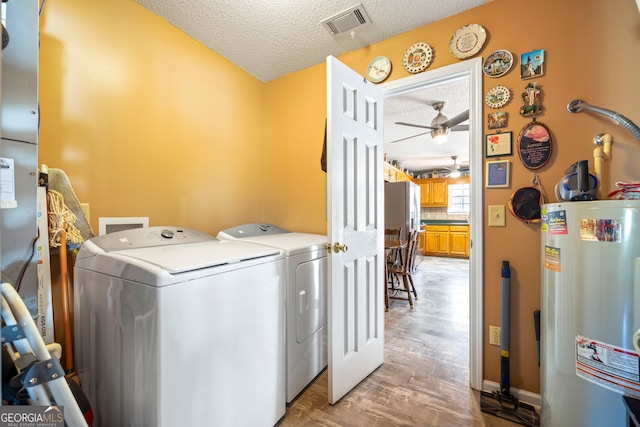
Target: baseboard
[{"x": 522, "y": 395}]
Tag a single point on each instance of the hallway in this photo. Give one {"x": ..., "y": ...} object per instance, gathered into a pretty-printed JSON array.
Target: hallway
[{"x": 424, "y": 380}]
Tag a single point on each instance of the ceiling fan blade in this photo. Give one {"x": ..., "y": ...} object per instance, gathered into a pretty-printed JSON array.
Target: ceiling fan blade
[
  {"x": 414, "y": 125},
  {"x": 457, "y": 119},
  {"x": 409, "y": 137},
  {"x": 459, "y": 128}
]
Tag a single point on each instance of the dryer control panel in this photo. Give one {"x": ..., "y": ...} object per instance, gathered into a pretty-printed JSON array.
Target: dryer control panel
[
  {"x": 251, "y": 230},
  {"x": 150, "y": 237}
]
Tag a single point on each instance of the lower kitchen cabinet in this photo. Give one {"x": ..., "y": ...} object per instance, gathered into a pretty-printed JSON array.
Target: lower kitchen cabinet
[
  {"x": 459, "y": 239},
  {"x": 436, "y": 240},
  {"x": 446, "y": 240}
]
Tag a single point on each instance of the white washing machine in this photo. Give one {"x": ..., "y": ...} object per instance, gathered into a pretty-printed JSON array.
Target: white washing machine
[
  {"x": 306, "y": 297},
  {"x": 176, "y": 328}
]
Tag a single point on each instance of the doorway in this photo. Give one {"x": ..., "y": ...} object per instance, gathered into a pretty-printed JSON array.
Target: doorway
[{"x": 471, "y": 70}]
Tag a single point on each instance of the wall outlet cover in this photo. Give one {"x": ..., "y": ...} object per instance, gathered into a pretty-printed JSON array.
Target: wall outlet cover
[{"x": 497, "y": 215}]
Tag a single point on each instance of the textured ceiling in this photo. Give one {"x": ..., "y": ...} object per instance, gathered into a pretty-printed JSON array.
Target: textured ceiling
[{"x": 271, "y": 38}]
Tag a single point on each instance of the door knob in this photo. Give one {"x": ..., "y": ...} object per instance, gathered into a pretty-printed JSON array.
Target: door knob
[{"x": 337, "y": 247}]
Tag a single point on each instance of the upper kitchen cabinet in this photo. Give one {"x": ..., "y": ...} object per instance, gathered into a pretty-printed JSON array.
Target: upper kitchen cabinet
[
  {"x": 393, "y": 174},
  {"x": 433, "y": 192}
]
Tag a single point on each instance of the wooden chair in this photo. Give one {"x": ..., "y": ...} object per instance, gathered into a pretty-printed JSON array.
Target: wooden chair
[
  {"x": 404, "y": 270},
  {"x": 393, "y": 234},
  {"x": 394, "y": 257}
]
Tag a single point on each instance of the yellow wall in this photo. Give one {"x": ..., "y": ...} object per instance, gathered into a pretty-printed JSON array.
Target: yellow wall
[
  {"x": 146, "y": 121},
  {"x": 592, "y": 52}
]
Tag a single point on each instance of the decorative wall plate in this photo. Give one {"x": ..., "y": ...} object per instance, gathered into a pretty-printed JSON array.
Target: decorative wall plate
[
  {"x": 417, "y": 57},
  {"x": 498, "y": 63},
  {"x": 497, "y": 96},
  {"x": 379, "y": 69},
  {"x": 467, "y": 41}
]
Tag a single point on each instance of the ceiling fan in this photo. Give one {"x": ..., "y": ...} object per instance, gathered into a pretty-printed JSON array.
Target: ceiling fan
[
  {"x": 456, "y": 169},
  {"x": 440, "y": 125}
]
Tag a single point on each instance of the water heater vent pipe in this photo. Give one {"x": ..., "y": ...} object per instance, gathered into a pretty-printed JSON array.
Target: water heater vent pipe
[{"x": 601, "y": 153}]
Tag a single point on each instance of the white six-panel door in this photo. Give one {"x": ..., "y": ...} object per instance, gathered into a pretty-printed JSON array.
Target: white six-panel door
[{"x": 355, "y": 203}]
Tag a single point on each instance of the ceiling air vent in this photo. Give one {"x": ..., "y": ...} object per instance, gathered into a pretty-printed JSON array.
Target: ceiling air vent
[{"x": 346, "y": 20}]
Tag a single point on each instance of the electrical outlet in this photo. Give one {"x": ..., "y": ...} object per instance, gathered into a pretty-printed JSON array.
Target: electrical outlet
[{"x": 494, "y": 335}]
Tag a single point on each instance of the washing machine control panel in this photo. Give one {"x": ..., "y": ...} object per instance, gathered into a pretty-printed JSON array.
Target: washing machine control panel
[{"x": 148, "y": 237}]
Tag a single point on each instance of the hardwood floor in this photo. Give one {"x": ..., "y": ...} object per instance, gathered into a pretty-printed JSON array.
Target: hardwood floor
[{"x": 424, "y": 380}]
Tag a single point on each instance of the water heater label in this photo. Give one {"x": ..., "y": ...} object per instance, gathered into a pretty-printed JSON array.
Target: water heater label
[
  {"x": 552, "y": 258},
  {"x": 554, "y": 222},
  {"x": 601, "y": 230},
  {"x": 608, "y": 366}
]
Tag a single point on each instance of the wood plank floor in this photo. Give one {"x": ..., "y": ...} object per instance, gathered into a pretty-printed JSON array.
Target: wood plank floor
[{"x": 424, "y": 380}]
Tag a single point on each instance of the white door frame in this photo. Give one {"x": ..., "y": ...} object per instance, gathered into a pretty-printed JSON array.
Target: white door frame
[{"x": 471, "y": 69}]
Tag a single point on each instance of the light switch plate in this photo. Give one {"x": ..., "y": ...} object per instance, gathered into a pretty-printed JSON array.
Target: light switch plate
[{"x": 496, "y": 216}]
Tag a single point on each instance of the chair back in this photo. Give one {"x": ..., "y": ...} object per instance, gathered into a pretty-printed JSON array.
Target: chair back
[
  {"x": 393, "y": 233},
  {"x": 410, "y": 257}
]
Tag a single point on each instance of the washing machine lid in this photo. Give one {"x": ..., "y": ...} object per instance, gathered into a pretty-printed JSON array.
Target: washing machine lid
[
  {"x": 161, "y": 256},
  {"x": 178, "y": 259}
]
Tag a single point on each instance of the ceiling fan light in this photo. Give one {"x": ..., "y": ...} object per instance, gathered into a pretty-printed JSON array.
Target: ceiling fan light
[
  {"x": 440, "y": 139},
  {"x": 440, "y": 135},
  {"x": 455, "y": 174}
]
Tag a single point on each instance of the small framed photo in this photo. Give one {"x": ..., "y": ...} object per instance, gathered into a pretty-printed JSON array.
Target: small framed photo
[
  {"x": 498, "y": 144},
  {"x": 498, "y": 174},
  {"x": 498, "y": 119},
  {"x": 532, "y": 64}
]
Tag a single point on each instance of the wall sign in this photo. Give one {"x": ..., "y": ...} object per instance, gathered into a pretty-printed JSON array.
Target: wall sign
[
  {"x": 497, "y": 174},
  {"x": 534, "y": 145},
  {"x": 498, "y": 144},
  {"x": 532, "y": 64}
]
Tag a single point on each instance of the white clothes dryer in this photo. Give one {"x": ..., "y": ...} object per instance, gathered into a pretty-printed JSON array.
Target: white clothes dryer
[
  {"x": 176, "y": 328},
  {"x": 306, "y": 297}
]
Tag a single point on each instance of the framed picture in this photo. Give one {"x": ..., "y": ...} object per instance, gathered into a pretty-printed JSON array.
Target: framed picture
[
  {"x": 498, "y": 119},
  {"x": 498, "y": 144},
  {"x": 498, "y": 174},
  {"x": 532, "y": 64}
]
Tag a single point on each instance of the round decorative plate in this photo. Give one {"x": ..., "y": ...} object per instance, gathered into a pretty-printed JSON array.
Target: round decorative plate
[
  {"x": 497, "y": 96},
  {"x": 379, "y": 69},
  {"x": 417, "y": 57},
  {"x": 498, "y": 63},
  {"x": 467, "y": 41}
]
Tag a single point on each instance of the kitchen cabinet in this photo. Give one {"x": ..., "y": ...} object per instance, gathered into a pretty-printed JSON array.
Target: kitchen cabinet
[
  {"x": 436, "y": 240},
  {"x": 446, "y": 240},
  {"x": 393, "y": 174},
  {"x": 433, "y": 192},
  {"x": 459, "y": 240}
]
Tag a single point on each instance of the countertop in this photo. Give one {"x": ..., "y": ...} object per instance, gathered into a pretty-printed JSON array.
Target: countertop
[{"x": 444, "y": 222}]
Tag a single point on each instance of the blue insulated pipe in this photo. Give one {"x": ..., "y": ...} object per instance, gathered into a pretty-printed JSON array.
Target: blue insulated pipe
[{"x": 505, "y": 284}]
